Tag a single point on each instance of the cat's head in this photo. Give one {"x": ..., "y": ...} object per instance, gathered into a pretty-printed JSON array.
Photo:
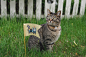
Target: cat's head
[{"x": 53, "y": 19}]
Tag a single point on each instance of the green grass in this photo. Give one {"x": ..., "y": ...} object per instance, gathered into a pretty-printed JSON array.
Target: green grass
[{"x": 12, "y": 38}]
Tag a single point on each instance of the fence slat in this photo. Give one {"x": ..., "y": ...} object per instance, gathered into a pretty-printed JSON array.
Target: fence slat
[
  {"x": 30, "y": 8},
  {"x": 82, "y": 9},
  {"x": 67, "y": 10},
  {"x": 47, "y": 6},
  {"x": 38, "y": 8},
  {"x": 60, "y": 6},
  {"x": 75, "y": 8},
  {"x": 3, "y": 8},
  {"x": 51, "y": 7},
  {"x": 21, "y": 7},
  {"x": 12, "y": 8}
]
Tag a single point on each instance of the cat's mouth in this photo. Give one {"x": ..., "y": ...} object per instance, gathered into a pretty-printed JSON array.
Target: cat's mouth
[
  {"x": 52, "y": 26},
  {"x": 52, "y": 23}
]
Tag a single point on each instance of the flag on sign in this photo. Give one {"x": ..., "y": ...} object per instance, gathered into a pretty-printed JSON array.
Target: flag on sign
[{"x": 31, "y": 29}]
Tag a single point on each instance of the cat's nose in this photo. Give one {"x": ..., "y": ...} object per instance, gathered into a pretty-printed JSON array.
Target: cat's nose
[{"x": 50, "y": 19}]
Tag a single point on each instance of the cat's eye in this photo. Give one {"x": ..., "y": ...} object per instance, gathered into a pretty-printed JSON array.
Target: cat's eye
[{"x": 54, "y": 18}]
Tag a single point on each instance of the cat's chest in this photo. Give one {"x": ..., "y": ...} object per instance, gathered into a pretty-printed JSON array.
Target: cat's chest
[
  {"x": 51, "y": 35},
  {"x": 47, "y": 31}
]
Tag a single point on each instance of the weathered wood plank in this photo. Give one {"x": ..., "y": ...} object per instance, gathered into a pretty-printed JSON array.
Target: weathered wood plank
[
  {"x": 67, "y": 10},
  {"x": 21, "y": 7},
  {"x": 30, "y": 8},
  {"x": 82, "y": 9},
  {"x": 60, "y": 6},
  {"x": 47, "y": 6},
  {"x": 12, "y": 8},
  {"x": 3, "y": 8},
  {"x": 75, "y": 8},
  {"x": 51, "y": 7},
  {"x": 38, "y": 9}
]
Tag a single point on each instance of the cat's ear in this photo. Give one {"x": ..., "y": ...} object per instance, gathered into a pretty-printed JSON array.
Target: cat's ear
[
  {"x": 48, "y": 11},
  {"x": 59, "y": 13}
]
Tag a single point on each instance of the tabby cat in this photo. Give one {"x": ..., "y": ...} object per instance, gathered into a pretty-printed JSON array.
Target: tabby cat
[{"x": 49, "y": 33}]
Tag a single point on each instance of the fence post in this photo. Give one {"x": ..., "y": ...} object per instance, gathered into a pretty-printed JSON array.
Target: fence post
[
  {"x": 51, "y": 7},
  {"x": 75, "y": 8},
  {"x": 12, "y": 8},
  {"x": 3, "y": 8},
  {"x": 38, "y": 9},
  {"x": 82, "y": 9},
  {"x": 67, "y": 10},
  {"x": 60, "y": 6},
  {"x": 21, "y": 7},
  {"x": 30, "y": 8},
  {"x": 47, "y": 6}
]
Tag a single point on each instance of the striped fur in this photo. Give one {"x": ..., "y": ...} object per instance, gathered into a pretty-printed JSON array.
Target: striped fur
[{"x": 49, "y": 32}]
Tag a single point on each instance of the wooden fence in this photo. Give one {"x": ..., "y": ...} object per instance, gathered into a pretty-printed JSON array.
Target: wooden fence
[{"x": 38, "y": 14}]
